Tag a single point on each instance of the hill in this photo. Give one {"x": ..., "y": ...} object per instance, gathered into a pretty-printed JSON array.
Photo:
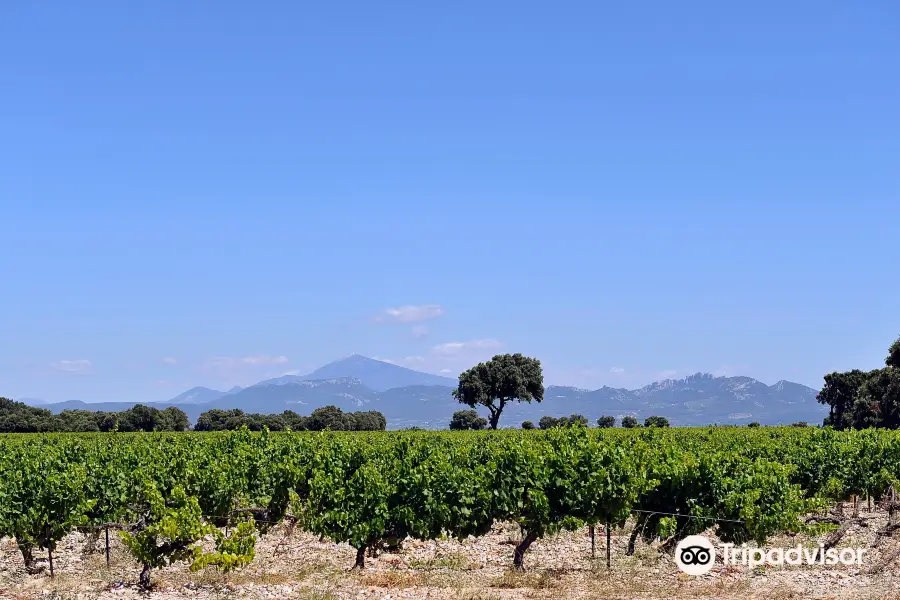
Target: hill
[
  {"x": 408, "y": 398},
  {"x": 374, "y": 374}
]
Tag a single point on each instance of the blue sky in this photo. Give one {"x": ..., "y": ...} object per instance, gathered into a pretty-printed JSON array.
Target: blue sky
[{"x": 213, "y": 193}]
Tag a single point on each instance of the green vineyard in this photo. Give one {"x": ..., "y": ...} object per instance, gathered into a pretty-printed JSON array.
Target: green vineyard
[{"x": 166, "y": 491}]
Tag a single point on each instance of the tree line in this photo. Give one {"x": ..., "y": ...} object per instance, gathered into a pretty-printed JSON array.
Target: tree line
[
  {"x": 469, "y": 420},
  {"x": 18, "y": 417},
  {"x": 326, "y": 418}
]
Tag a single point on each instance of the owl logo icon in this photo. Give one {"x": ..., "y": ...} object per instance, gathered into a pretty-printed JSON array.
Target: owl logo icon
[{"x": 695, "y": 555}]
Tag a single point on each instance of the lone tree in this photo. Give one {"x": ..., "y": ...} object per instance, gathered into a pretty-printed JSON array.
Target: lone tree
[
  {"x": 630, "y": 422},
  {"x": 548, "y": 422},
  {"x": 503, "y": 379},
  {"x": 606, "y": 422},
  {"x": 467, "y": 419},
  {"x": 576, "y": 420},
  {"x": 656, "y": 421}
]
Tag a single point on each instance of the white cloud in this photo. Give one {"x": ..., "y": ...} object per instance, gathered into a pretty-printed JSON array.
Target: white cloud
[
  {"x": 616, "y": 370},
  {"x": 169, "y": 360},
  {"x": 81, "y": 366},
  {"x": 458, "y": 348},
  {"x": 231, "y": 362},
  {"x": 667, "y": 374},
  {"x": 419, "y": 331},
  {"x": 450, "y": 357},
  {"x": 292, "y": 372},
  {"x": 413, "y": 313},
  {"x": 410, "y": 362}
]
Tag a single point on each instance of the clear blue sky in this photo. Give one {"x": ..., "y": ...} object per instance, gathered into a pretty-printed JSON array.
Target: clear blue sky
[{"x": 209, "y": 193}]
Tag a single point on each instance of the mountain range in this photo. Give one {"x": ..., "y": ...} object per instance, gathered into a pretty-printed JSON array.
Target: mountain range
[{"x": 409, "y": 398}]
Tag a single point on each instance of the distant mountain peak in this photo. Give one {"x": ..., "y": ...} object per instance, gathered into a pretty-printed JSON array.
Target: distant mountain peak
[
  {"x": 700, "y": 376},
  {"x": 376, "y": 374},
  {"x": 197, "y": 395}
]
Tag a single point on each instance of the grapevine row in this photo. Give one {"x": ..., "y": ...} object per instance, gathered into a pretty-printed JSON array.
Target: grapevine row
[{"x": 379, "y": 488}]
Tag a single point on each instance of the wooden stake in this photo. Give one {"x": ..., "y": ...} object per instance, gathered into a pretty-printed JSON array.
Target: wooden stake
[
  {"x": 608, "y": 546},
  {"x": 50, "y": 556},
  {"x": 593, "y": 544},
  {"x": 107, "y": 546}
]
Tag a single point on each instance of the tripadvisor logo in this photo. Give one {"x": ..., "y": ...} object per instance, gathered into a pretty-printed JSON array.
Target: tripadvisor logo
[{"x": 695, "y": 555}]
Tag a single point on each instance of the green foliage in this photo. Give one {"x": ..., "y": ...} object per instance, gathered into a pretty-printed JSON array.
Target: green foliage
[
  {"x": 606, "y": 422},
  {"x": 655, "y": 421},
  {"x": 666, "y": 527},
  {"x": 893, "y": 357},
  {"x": 527, "y": 425},
  {"x": 860, "y": 400},
  {"x": 42, "y": 498},
  {"x": 166, "y": 530},
  {"x": 17, "y": 417},
  {"x": 840, "y": 393},
  {"x": 503, "y": 379},
  {"x": 233, "y": 551},
  {"x": 548, "y": 422},
  {"x": 373, "y": 489},
  {"x": 629, "y": 422},
  {"x": 575, "y": 420},
  {"x": 467, "y": 419},
  {"x": 326, "y": 417}
]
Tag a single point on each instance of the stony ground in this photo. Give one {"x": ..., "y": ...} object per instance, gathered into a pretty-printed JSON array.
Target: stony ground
[{"x": 297, "y": 565}]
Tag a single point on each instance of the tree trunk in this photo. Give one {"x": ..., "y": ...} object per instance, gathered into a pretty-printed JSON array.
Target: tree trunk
[
  {"x": 31, "y": 566},
  {"x": 90, "y": 545},
  {"x": 638, "y": 527},
  {"x": 495, "y": 418},
  {"x": 519, "y": 554},
  {"x": 495, "y": 413},
  {"x": 144, "y": 579},
  {"x": 360, "y": 558}
]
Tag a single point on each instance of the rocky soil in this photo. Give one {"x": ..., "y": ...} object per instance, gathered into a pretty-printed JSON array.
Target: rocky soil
[{"x": 291, "y": 564}]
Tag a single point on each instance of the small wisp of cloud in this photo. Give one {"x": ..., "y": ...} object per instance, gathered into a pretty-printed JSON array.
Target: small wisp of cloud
[
  {"x": 169, "y": 360},
  {"x": 411, "y": 313},
  {"x": 75, "y": 367},
  {"x": 458, "y": 348},
  {"x": 616, "y": 370}
]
